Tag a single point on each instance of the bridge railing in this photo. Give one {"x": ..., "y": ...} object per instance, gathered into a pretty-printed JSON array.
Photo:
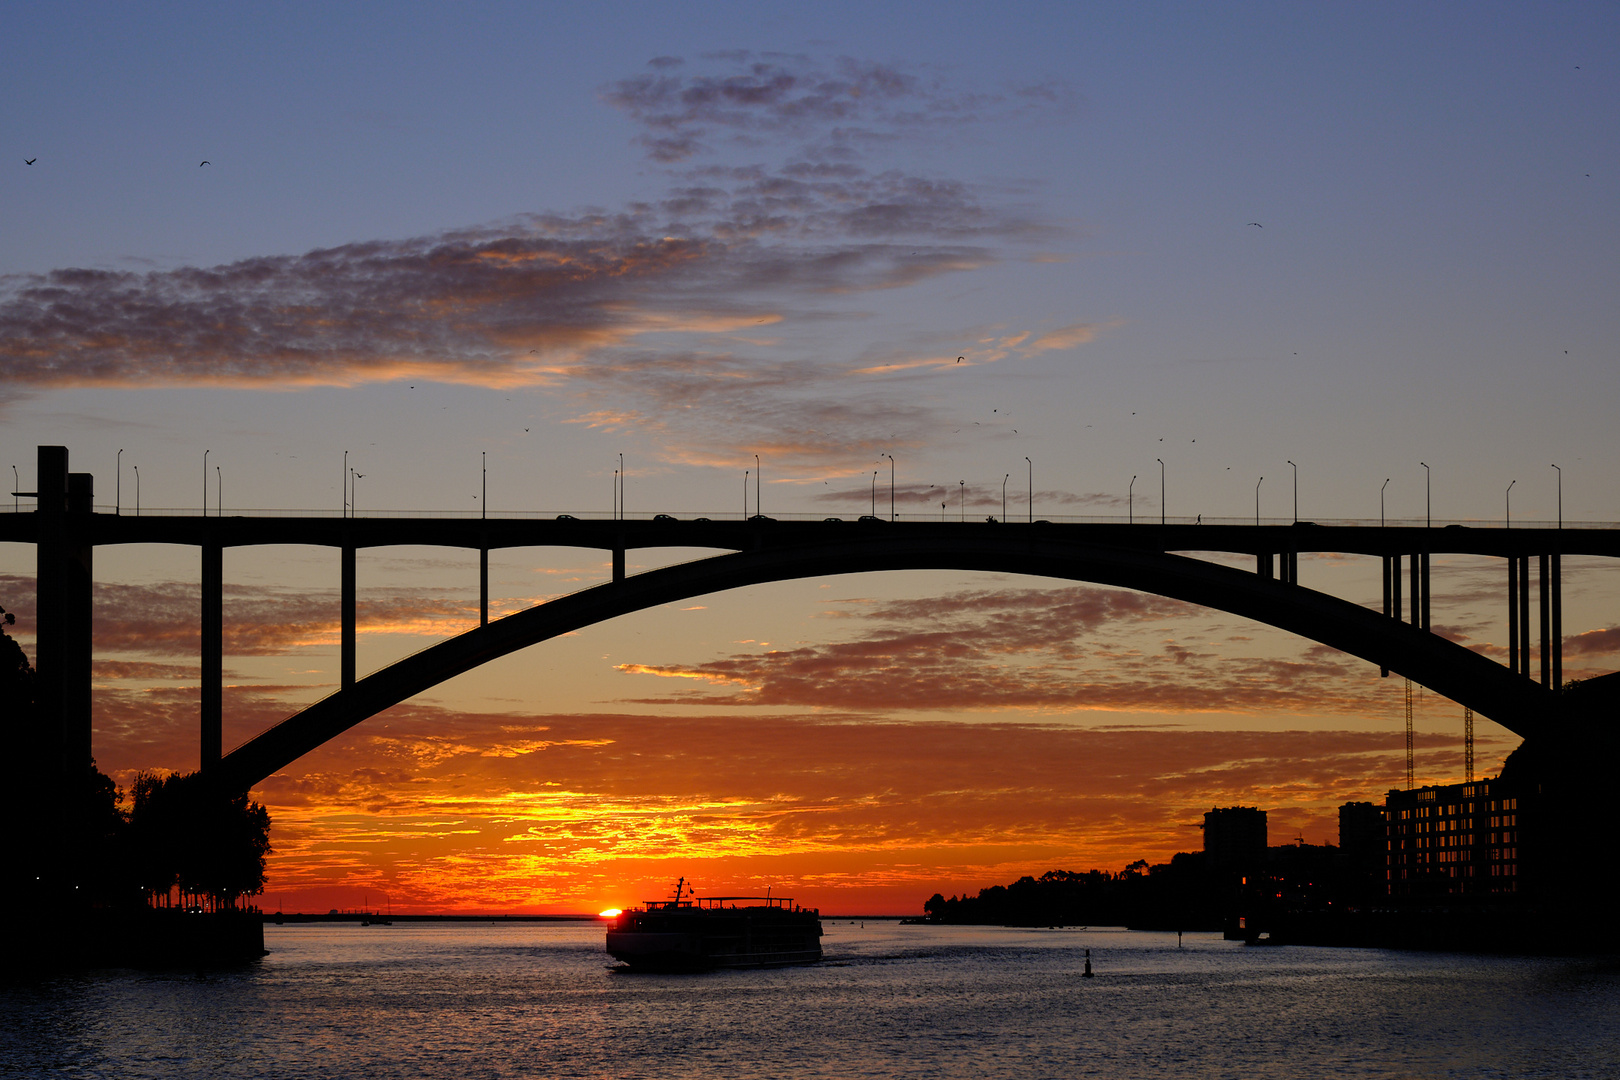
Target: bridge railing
[{"x": 979, "y": 516}]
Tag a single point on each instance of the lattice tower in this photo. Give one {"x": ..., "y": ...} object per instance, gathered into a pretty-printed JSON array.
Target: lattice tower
[
  {"x": 1468, "y": 744},
  {"x": 1408, "y": 734}
]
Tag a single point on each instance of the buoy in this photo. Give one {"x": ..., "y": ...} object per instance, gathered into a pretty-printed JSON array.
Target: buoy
[{"x": 1086, "y": 974}]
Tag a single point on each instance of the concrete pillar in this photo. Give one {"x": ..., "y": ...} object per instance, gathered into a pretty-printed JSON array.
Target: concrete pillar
[
  {"x": 1544, "y": 598},
  {"x": 1425, "y": 578},
  {"x": 63, "y": 598},
  {"x": 483, "y": 585},
  {"x": 1557, "y": 622},
  {"x": 1513, "y": 613},
  {"x": 347, "y": 635},
  {"x": 212, "y": 704},
  {"x": 1524, "y": 615}
]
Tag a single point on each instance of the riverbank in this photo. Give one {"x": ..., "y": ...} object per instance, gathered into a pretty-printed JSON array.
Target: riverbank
[{"x": 136, "y": 938}]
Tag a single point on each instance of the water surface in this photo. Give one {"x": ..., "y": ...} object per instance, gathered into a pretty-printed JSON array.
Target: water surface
[{"x": 540, "y": 1000}]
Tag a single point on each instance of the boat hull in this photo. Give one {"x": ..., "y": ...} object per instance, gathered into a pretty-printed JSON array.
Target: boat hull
[{"x": 694, "y": 940}]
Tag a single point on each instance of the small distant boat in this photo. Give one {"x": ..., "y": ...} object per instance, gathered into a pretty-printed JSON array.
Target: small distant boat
[
  {"x": 372, "y": 918},
  {"x": 688, "y": 934}
]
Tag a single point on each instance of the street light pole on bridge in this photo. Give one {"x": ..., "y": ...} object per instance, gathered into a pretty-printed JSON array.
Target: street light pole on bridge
[
  {"x": 1296, "y": 493},
  {"x": 1257, "y": 484},
  {"x": 1130, "y": 501},
  {"x": 1428, "y": 513},
  {"x": 1560, "y": 497},
  {"x": 1160, "y": 460},
  {"x": 1031, "y": 490}
]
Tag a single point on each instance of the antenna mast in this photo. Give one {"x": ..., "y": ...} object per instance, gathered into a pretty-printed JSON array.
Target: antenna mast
[
  {"x": 1408, "y": 734},
  {"x": 1468, "y": 744}
]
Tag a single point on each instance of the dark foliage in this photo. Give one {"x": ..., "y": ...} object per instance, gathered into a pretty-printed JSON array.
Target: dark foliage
[{"x": 70, "y": 844}]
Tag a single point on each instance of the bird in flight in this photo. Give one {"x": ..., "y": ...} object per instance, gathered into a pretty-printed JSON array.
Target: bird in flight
[
  {"x": 30, "y": 161},
  {"x": 959, "y": 359},
  {"x": 1257, "y": 225},
  {"x": 201, "y": 164}
]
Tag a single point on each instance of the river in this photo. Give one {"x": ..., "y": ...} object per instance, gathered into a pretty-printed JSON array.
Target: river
[{"x": 539, "y": 1000}]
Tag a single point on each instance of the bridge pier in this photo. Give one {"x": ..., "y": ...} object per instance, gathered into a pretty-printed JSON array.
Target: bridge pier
[
  {"x": 483, "y": 584},
  {"x": 212, "y": 703},
  {"x": 346, "y": 646},
  {"x": 62, "y": 650}
]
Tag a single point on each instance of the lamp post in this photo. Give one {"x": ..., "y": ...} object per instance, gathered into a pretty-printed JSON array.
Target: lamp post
[
  {"x": 1004, "y": 480},
  {"x": 961, "y": 503},
  {"x": 1257, "y": 484},
  {"x": 354, "y": 490},
  {"x": 891, "y": 485},
  {"x": 137, "y": 469},
  {"x": 1031, "y": 490},
  {"x": 1560, "y": 497},
  {"x": 483, "y": 484},
  {"x": 1381, "y": 502},
  {"x": 205, "y": 478},
  {"x": 1428, "y": 519},
  {"x": 1507, "y": 499},
  {"x": 219, "y": 496},
  {"x": 621, "y": 487},
  {"x": 345, "y": 483},
  {"x": 1296, "y": 493},
  {"x": 16, "y": 486},
  {"x": 118, "y": 484},
  {"x": 1130, "y": 502},
  {"x": 874, "y": 492},
  {"x": 1161, "y": 489},
  {"x": 745, "y": 494},
  {"x": 758, "y": 508}
]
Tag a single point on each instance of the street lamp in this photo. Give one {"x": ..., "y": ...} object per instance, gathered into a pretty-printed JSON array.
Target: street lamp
[
  {"x": 1428, "y": 519},
  {"x": 345, "y": 483},
  {"x": 219, "y": 498},
  {"x": 205, "y": 479},
  {"x": 118, "y": 483},
  {"x": 1507, "y": 499},
  {"x": 758, "y": 509},
  {"x": 137, "y": 469},
  {"x": 16, "y": 486},
  {"x": 1031, "y": 490},
  {"x": 745, "y": 494},
  {"x": 1161, "y": 489},
  {"x": 1130, "y": 502},
  {"x": 1257, "y": 484},
  {"x": 961, "y": 486},
  {"x": 1004, "y": 480},
  {"x": 354, "y": 489},
  {"x": 1296, "y": 493},
  {"x": 621, "y": 487},
  {"x": 1381, "y": 502},
  {"x": 1560, "y": 497},
  {"x": 483, "y": 484},
  {"x": 892, "y": 515},
  {"x": 874, "y": 492}
]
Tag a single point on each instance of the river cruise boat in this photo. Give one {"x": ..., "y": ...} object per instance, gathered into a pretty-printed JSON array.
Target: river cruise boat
[{"x": 685, "y": 933}]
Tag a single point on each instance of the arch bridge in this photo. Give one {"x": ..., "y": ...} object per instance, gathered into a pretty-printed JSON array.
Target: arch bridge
[{"x": 759, "y": 550}]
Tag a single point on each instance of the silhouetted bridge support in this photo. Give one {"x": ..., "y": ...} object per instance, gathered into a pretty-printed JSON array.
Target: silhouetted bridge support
[{"x": 1139, "y": 557}]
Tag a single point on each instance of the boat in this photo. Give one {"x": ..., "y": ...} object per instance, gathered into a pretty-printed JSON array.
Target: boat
[{"x": 685, "y": 933}]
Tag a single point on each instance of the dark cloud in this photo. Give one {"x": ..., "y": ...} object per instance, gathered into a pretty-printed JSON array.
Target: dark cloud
[
  {"x": 684, "y": 290},
  {"x": 1069, "y": 649},
  {"x": 834, "y": 106}
]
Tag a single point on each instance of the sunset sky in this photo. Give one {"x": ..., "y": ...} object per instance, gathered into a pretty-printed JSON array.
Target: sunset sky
[{"x": 1357, "y": 236}]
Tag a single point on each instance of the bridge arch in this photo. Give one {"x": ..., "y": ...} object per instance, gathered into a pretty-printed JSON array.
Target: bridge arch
[{"x": 1460, "y": 674}]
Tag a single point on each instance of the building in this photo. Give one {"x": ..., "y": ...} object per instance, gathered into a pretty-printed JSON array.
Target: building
[
  {"x": 1452, "y": 840},
  {"x": 1362, "y": 843},
  {"x": 1235, "y": 839}
]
